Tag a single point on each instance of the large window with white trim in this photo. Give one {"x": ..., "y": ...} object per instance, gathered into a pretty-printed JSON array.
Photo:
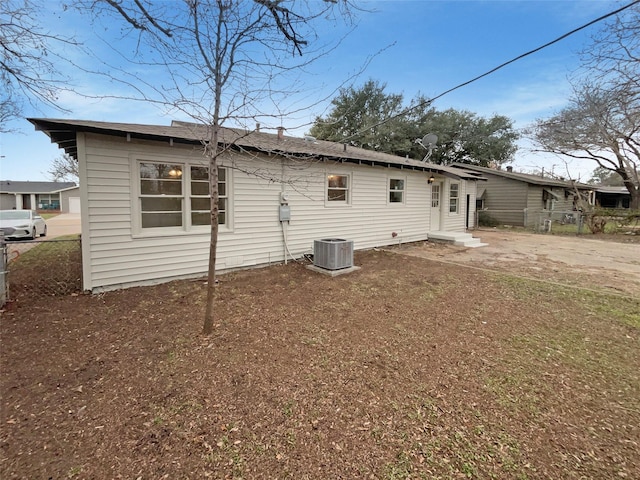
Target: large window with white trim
[{"x": 175, "y": 195}]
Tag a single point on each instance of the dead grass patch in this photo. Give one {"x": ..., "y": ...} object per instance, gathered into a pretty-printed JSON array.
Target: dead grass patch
[{"x": 405, "y": 369}]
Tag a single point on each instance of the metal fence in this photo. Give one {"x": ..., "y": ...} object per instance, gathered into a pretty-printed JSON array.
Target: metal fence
[
  {"x": 560, "y": 222},
  {"x": 40, "y": 267}
]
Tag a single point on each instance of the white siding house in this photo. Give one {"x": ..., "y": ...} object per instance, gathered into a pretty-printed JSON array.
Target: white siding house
[{"x": 145, "y": 201}]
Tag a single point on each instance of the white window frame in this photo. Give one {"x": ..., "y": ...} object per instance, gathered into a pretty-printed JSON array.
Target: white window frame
[
  {"x": 391, "y": 189},
  {"x": 186, "y": 196},
  {"x": 436, "y": 195},
  {"x": 221, "y": 196},
  {"x": 347, "y": 190},
  {"x": 179, "y": 178},
  {"x": 454, "y": 200}
]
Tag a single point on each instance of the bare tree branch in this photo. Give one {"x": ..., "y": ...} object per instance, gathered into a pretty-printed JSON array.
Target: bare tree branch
[{"x": 30, "y": 68}]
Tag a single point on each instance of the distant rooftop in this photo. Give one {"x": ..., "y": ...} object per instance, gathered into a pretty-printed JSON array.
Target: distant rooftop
[
  {"x": 524, "y": 177},
  {"x": 10, "y": 186}
]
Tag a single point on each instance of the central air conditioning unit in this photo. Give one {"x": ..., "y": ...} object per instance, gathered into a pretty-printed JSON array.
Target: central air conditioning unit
[{"x": 333, "y": 253}]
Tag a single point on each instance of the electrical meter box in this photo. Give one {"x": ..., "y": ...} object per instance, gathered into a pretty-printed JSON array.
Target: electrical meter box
[{"x": 285, "y": 213}]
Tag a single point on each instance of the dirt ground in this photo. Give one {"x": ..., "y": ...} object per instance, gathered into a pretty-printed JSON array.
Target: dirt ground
[
  {"x": 612, "y": 264},
  {"x": 409, "y": 368}
]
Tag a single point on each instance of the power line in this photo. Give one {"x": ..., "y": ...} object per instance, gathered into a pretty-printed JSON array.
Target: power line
[{"x": 519, "y": 57}]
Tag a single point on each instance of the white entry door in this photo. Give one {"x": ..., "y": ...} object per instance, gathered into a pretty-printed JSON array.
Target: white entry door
[{"x": 436, "y": 202}]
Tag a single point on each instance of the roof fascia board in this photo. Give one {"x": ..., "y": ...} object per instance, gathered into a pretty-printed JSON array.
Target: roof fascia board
[{"x": 51, "y": 127}]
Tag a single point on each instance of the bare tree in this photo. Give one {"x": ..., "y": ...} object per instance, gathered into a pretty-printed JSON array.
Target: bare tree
[
  {"x": 598, "y": 125},
  {"x": 223, "y": 60},
  {"x": 613, "y": 58},
  {"x": 64, "y": 167},
  {"x": 602, "y": 121},
  {"x": 29, "y": 66}
]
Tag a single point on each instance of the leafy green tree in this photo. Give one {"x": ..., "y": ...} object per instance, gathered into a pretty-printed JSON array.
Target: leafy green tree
[
  {"x": 464, "y": 137},
  {"x": 370, "y": 118},
  {"x": 357, "y": 119}
]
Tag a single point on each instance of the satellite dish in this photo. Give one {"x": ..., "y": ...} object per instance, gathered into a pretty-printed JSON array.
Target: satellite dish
[
  {"x": 428, "y": 142},
  {"x": 430, "y": 139}
]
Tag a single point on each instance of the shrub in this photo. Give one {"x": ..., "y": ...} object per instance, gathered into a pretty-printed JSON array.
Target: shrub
[{"x": 486, "y": 220}]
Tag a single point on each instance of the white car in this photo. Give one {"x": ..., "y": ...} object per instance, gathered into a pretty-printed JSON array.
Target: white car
[{"x": 22, "y": 224}]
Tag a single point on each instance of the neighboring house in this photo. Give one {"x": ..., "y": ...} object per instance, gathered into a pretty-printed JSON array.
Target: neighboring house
[
  {"x": 521, "y": 199},
  {"x": 145, "y": 199},
  {"x": 63, "y": 197},
  {"x": 612, "y": 197}
]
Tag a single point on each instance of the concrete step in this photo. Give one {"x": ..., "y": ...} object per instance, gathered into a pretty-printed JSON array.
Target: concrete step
[
  {"x": 471, "y": 243},
  {"x": 460, "y": 239}
]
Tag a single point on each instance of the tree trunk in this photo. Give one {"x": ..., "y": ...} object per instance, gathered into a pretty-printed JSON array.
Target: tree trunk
[
  {"x": 635, "y": 199},
  {"x": 211, "y": 151}
]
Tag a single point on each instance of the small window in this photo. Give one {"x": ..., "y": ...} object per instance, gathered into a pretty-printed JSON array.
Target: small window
[
  {"x": 435, "y": 195},
  {"x": 396, "y": 190},
  {"x": 338, "y": 188},
  {"x": 454, "y": 197}
]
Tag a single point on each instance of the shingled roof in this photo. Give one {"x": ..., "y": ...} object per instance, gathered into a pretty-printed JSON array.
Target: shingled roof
[
  {"x": 64, "y": 133},
  {"x": 523, "y": 177},
  {"x": 10, "y": 186}
]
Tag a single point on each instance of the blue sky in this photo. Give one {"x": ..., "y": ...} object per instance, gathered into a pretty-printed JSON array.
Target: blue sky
[{"x": 427, "y": 47}]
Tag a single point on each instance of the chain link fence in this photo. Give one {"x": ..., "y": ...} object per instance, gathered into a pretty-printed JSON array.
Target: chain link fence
[
  {"x": 40, "y": 267},
  {"x": 560, "y": 222}
]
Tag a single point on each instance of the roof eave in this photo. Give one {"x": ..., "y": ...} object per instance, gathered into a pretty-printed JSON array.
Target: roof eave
[{"x": 64, "y": 133}]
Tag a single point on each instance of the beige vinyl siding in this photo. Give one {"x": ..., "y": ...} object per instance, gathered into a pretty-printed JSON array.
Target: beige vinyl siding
[
  {"x": 472, "y": 191},
  {"x": 535, "y": 205},
  {"x": 369, "y": 220},
  {"x": 453, "y": 221},
  {"x": 536, "y": 210},
  {"x": 506, "y": 199},
  {"x": 117, "y": 253}
]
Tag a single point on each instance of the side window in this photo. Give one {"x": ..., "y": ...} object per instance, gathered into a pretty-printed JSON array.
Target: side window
[
  {"x": 454, "y": 197},
  {"x": 338, "y": 188},
  {"x": 200, "y": 200},
  {"x": 161, "y": 194},
  {"x": 396, "y": 190}
]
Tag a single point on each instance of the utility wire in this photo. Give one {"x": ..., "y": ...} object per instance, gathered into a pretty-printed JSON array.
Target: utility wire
[{"x": 519, "y": 57}]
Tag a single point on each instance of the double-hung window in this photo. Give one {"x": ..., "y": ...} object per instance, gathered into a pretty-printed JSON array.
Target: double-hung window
[
  {"x": 454, "y": 197},
  {"x": 396, "y": 190},
  {"x": 177, "y": 195},
  {"x": 161, "y": 195},
  {"x": 338, "y": 188}
]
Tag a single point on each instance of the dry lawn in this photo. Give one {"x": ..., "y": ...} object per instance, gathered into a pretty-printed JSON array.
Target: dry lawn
[{"x": 406, "y": 369}]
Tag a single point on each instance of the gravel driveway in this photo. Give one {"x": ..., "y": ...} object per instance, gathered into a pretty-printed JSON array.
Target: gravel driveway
[{"x": 577, "y": 261}]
